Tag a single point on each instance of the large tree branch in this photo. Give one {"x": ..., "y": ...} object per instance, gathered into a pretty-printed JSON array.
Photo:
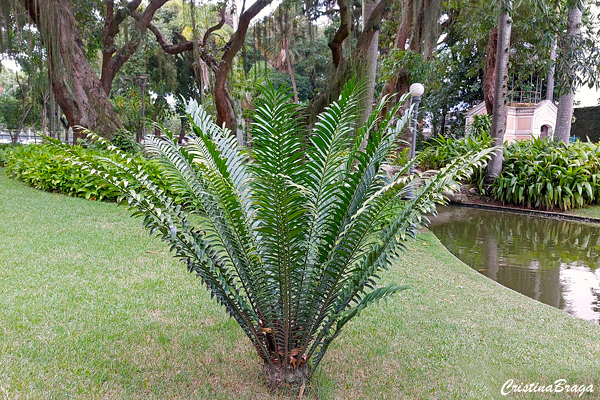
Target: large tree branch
[
  {"x": 185, "y": 45},
  {"x": 114, "y": 59},
  {"x": 171, "y": 48},
  {"x": 373, "y": 25},
  {"x": 110, "y": 29},
  {"x": 335, "y": 44},
  {"x": 237, "y": 39},
  {"x": 116, "y": 19},
  {"x": 212, "y": 29},
  {"x": 182, "y": 46},
  {"x": 148, "y": 14}
]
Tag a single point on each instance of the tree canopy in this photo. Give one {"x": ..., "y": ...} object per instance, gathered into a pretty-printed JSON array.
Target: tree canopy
[{"x": 84, "y": 55}]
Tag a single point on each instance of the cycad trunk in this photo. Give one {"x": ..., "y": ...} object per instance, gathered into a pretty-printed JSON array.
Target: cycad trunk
[
  {"x": 500, "y": 83},
  {"x": 564, "y": 113},
  {"x": 278, "y": 377}
]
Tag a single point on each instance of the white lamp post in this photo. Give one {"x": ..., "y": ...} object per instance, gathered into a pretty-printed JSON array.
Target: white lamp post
[{"x": 416, "y": 91}]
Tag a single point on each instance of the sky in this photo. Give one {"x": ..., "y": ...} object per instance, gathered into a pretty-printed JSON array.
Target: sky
[{"x": 587, "y": 97}]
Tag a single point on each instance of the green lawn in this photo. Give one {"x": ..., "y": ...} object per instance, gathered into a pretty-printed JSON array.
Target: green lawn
[
  {"x": 93, "y": 308},
  {"x": 591, "y": 211}
]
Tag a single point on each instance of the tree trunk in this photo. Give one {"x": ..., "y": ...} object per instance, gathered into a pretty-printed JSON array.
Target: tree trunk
[
  {"x": 76, "y": 86},
  {"x": 550, "y": 84},
  {"x": 223, "y": 99},
  {"x": 182, "y": 130},
  {"x": 426, "y": 30},
  {"x": 113, "y": 59},
  {"x": 564, "y": 114},
  {"x": 24, "y": 89},
  {"x": 346, "y": 69},
  {"x": 224, "y": 102},
  {"x": 500, "y": 82},
  {"x": 45, "y": 112},
  {"x": 335, "y": 44},
  {"x": 370, "y": 66},
  {"x": 278, "y": 377},
  {"x": 399, "y": 82},
  {"x": 489, "y": 71},
  {"x": 564, "y": 117},
  {"x": 443, "y": 121},
  {"x": 290, "y": 70},
  {"x": 52, "y": 114}
]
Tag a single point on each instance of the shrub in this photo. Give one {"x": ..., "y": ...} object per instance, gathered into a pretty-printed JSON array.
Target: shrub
[
  {"x": 5, "y": 149},
  {"x": 442, "y": 150},
  {"x": 125, "y": 141},
  {"x": 482, "y": 125},
  {"x": 290, "y": 240},
  {"x": 44, "y": 168},
  {"x": 545, "y": 174}
]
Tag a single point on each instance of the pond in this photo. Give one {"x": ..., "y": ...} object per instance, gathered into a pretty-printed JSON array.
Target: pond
[{"x": 553, "y": 261}]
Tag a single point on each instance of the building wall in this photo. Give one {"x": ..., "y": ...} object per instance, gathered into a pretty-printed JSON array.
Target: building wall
[{"x": 522, "y": 121}]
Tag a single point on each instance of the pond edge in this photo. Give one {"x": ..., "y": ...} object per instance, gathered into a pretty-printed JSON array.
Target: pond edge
[{"x": 537, "y": 213}]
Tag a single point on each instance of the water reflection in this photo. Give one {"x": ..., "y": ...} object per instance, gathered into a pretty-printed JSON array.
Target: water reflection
[{"x": 552, "y": 261}]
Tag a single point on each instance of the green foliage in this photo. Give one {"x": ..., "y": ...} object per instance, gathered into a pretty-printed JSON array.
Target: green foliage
[
  {"x": 418, "y": 67},
  {"x": 125, "y": 141},
  {"x": 544, "y": 174},
  {"x": 302, "y": 83},
  {"x": 128, "y": 106},
  {"x": 41, "y": 168},
  {"x": 44, "y": 168},
  {"x": 5, "y": 149},
  {"x": 10, "y": 112},
  {"x": 442, "y": 150},
  {"x": 482, "y": 125},
  {"x": 290, "y": 240}
]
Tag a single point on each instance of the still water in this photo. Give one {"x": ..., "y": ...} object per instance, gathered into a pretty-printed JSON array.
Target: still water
[{"x": 553, "y": 261}]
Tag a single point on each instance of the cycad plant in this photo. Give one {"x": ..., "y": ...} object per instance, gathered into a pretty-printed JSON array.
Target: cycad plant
[{"x": 290, "y": 238}]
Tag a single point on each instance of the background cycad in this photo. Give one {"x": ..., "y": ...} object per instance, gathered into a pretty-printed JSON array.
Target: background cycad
[{"x": 290, "y": 239}]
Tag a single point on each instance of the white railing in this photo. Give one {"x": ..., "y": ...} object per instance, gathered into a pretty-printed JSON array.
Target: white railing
[{"x": 31, "y": 135}]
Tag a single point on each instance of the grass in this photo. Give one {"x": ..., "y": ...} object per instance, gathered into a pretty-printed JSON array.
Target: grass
[
  {"x": 590, "y": 211},
  {"x": 93, "y": 308}
]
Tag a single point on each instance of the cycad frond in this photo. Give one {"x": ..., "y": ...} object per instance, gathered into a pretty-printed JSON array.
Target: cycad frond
[{"x": 281, "y": 208}]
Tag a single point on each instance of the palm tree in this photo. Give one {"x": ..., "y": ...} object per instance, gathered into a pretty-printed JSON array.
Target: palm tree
[{"x": 290, "y": 240}]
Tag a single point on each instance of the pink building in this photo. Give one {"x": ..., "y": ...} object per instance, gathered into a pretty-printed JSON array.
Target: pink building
[{"x": 523, "y": 120}]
